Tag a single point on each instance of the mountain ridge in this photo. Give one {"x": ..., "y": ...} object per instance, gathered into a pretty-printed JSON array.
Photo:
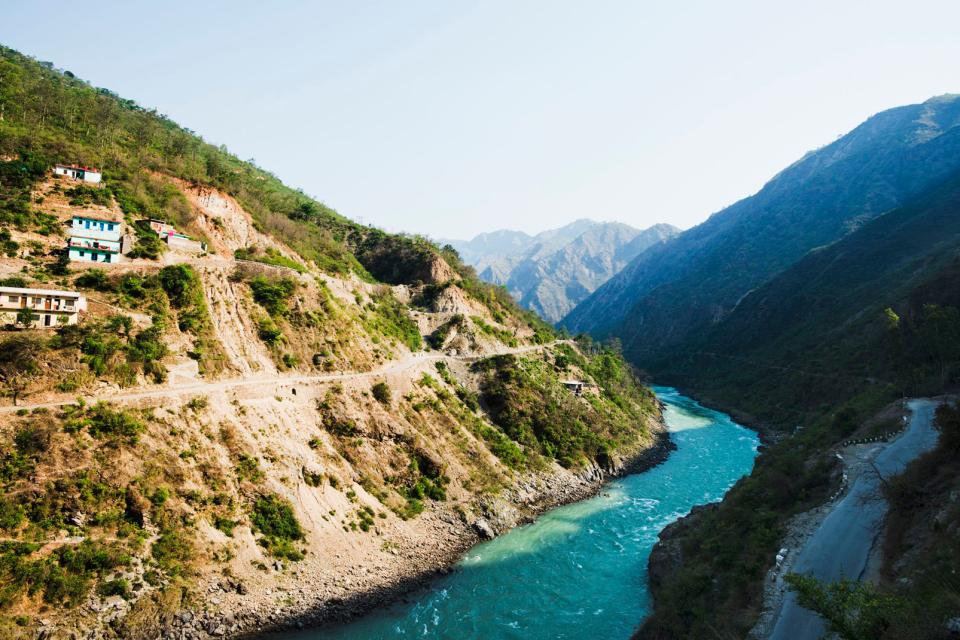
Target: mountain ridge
[
  {"x": 811, "y": 203},
  {"x": 554, "y": 270}
]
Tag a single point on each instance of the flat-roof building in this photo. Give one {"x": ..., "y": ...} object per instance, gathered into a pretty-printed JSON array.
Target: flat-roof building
[
  {"x": 47, "y": 308},
  {"x": 96, "y": 237},
  {"x": 85, "y": 174}
]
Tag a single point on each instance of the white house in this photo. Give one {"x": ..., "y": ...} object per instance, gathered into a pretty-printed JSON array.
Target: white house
[
  {"x": 96, "y": 237},
  {"x": 86, "y": 174},
  {"x": 49, "y": 308}
]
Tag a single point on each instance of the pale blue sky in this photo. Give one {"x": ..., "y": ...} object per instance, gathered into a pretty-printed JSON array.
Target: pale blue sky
[{"x": 451, "y": 118}]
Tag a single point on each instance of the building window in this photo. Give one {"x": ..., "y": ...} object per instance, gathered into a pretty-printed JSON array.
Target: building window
[{"x": 14, "y": 298}]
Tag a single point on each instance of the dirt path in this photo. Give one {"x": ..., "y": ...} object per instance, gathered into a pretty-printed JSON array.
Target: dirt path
[{"x": 193, "y": 388}]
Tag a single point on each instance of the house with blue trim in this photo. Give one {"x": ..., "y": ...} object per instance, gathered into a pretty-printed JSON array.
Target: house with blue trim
[{"x": 97, "y": 237}]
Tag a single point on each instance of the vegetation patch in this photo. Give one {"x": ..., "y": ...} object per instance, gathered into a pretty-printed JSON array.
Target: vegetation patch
[
  {"x": 103, "y": 421},
  {"x": 62, "y": 578},
  {"x": 273, "y": 518},
  {"x": 524, "y": 397},
  {"x": 268, "y": 256},
  {"x": 386, "y": 316}
]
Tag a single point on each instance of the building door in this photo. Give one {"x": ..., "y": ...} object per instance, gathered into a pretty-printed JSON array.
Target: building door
[{"x": 46, "y": 319}]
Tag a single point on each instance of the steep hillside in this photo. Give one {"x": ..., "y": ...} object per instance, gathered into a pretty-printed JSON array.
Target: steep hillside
[
  {"x": 856, "y": 312},
  {"x": 818, "y": 352},
  {"x": 555, "y": 270},
  {"x": 307, "y": 417},
  {"x": 678, "y": 289}
]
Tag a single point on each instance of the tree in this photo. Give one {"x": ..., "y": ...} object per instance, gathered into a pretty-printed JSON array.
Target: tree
[
  {"x": 381, "y": 391},
  {"x": 61, "y": 267},
  {"x": 853, "y": 610},
  {"x": 19, "y": 357},
  {"x": 26, "y": 317}
]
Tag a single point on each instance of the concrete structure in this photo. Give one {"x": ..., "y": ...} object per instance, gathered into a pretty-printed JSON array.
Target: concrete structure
[
  {"x": 574, "y": 385},
  {"x": 579, "y": 386},
  {"x": 162, "y": 228},
  {"x": 49, "y": 308},
  {"x": 175, "y": 239},
  {"x": 85, "y": 174},
  {"x": 96, "y": 237},
  {"x": 181, "y": 242}
]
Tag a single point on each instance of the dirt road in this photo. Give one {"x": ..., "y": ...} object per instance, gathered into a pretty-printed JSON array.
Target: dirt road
[{"x": 194, "y": 388}]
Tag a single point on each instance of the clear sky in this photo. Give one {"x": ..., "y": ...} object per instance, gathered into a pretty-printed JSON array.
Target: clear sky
[{"x": 451, "y": 118}]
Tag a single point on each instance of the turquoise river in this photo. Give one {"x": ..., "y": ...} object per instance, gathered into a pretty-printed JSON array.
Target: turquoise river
[{"x": 579, "y": 571}]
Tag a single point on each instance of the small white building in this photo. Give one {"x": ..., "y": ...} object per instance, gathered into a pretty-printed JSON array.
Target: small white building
[
  {"x": 49, "y": 308},
  {"x": 84, "y": 174}
]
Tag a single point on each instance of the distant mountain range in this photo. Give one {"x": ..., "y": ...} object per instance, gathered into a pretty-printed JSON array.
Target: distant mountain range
[
  {"x": 552, "y": 271},
  {"x": 674, "y": 292}
]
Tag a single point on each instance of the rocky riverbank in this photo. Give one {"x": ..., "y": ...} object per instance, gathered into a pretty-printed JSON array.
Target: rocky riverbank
[{"x": 307, "y": 595}]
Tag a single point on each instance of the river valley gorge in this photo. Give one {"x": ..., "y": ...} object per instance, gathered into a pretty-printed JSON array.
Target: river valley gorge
[{"x": 581, "y": 567}]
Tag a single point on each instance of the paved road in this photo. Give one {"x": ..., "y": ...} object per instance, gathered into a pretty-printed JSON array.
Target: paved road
[
  {"x": 842, "y": 544},
  {"x": 180, "y": 389}
]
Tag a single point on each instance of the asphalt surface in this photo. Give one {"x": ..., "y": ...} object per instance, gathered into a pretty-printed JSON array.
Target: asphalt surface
[{"x": 841, "y": 545}]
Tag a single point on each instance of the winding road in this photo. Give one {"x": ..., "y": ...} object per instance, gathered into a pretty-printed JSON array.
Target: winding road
[
  {"x": 842, "y": 544},
  {"x": 173, "y": 390}
]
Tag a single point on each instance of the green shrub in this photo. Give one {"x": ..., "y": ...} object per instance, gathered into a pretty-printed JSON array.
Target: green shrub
[
  {"x": 391, "y": 318},
  {"x": 381, "y": 392},
  {"x": 248, "y": 468},
  {"x": 11, "y": 514},
  {"x": 268, "y": 256},
  {"x": 94, "y": 279},
  {"x": 502, "y": 335},
  {"x": 272, "y": 295},
  {"x": 273, "y": 517},
  {"x": 118, "y": 587},
  {"x": 102, "y": 421},
  {"x": 225, "y": 525},
  {"x": 64, "y": 577},
  {"x": 269, "y": 332},
  {"x": 172, "y": 550},
  {"x": 13, "y": 281}
]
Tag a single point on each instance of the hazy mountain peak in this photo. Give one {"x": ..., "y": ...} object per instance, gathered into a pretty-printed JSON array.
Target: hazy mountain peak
[{"x": 551, "y": 271}]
